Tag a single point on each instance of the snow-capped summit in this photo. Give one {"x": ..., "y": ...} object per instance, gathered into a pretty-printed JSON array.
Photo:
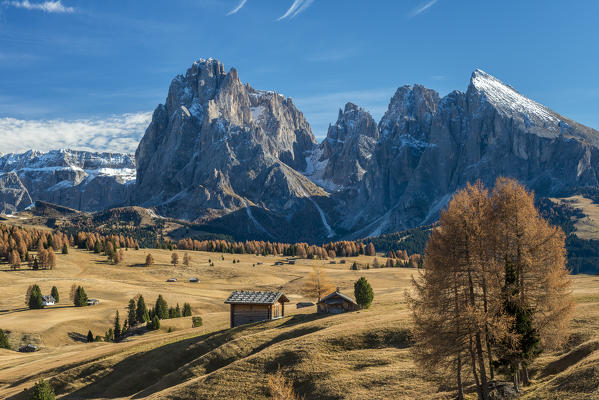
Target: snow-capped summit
[{"x": 508, "y": 100}]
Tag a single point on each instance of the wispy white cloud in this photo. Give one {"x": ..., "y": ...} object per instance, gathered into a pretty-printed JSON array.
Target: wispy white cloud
[
  {"x": 46, "y": 6},
  {"x": 239, "y": 7},
  {"x": 422, "y": 8},
  {"x": 296, "y": 8},
  {"x": 118, "y": 133}
]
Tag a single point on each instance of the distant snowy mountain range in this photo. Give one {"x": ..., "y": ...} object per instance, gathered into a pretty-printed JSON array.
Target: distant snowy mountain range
[
  {"x": 245, "y": 161},
  {"x": 78, "y": 179}
]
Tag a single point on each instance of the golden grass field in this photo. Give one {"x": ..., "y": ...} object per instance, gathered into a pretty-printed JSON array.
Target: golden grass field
[
  {"x": 360, "y": 355},
  {"x": 588, "y": 226}
]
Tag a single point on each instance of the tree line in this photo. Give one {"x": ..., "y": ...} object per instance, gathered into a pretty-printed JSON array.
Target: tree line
[
  {"x": 301, "y": 250},
  {"x": 17, "y": 245},
  {"x": 494, "y": 291},
  {"x": 138, "y": 314}
]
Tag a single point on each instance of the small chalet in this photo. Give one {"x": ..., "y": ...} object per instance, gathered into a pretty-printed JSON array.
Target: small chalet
[
  {"x": 337, "y": 303},
  {"x": 28, "y": 348},
  {"x": 248, "y": 307},
  {"x": 48, "y": 300}
]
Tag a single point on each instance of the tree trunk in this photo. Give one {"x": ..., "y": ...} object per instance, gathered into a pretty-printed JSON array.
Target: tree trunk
[
  {"x": 487, "y": 339},
  {"x": 489, "y": 353},
  {"x": 481, "y": 362},
  {"x": 516, "y": 378},
  {"x": 474, "y": 373},
  {"x": 525, "y": 377},
  {"x": 484, "y": 386},
  {"x": 459, "y": 377}
]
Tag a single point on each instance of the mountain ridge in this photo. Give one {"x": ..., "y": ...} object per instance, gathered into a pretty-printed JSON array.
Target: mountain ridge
[{"x": 221, "y": 153}]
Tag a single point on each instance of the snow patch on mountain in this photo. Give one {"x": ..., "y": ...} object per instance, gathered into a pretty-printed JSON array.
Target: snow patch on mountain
[
  {"x": 315, "y": 169},
  {"x": 507, "y": 99}
]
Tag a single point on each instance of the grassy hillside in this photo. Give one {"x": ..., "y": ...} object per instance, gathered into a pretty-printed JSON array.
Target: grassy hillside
[{"x": 364, "y": 354}]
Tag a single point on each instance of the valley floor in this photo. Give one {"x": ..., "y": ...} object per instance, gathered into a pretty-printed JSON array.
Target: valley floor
[{"x": 357, "y": 355}]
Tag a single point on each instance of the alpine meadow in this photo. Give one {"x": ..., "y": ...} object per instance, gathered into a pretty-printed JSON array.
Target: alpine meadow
[{"x": 172, "y": 226}]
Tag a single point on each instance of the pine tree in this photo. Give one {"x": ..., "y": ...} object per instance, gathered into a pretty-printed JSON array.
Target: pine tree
[
  {"x": 186, "y": 310},
  {"x": 42, "y": 391},
  {"x": 90, "y": 336},
  {"x": 154, "y": 324},
  {"x": 80, "y": 297},
  {"x": 141, "y": 313},
  {"x": 54, "y": 294},
  {"x": 131, "y": 315},
  {"x": 117, "y": 326},
  {"x": 177, "y": 311},
  {"x": 161, "y": 308},
  {"x": 35, "y": 297},
  {"x": 363, "y": 292},
  {"x": 65, "y": 249},
  {"x": 4, "y": 340}
]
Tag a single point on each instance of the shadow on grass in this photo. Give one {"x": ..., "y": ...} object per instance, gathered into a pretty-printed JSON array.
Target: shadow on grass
[
  {"x": 136, "y": 372},
  {"x": 77, "y": 337},
  {"x": 23, "y": 309}
]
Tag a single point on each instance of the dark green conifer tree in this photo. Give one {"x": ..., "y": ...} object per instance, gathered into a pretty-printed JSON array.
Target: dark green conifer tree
[
  {"x": 55, "y": 294},
  {"x": 131, "y": 315},
  {"x": 161, "y": 308},
  {"x": 141, "y": 313},
  {"x": 186, "y": 310},
  {"x": 363, "y": 292}
]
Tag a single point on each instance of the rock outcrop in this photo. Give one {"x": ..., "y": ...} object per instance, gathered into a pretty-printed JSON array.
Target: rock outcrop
[
  {"x": 220, "y": 152},
  {"x": 340, "y": 161},
  {"x": 13, "y": 194}
]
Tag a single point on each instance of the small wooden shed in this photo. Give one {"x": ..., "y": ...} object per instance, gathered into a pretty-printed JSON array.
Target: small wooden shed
[
  {"x": 248, "y": 307},
  {"x": 337, "y": 303}
]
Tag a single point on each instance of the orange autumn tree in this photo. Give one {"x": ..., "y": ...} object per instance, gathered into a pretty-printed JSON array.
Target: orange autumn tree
[
  {"x": 492, "y": 263},
  {"x": 318, "y": 284}
]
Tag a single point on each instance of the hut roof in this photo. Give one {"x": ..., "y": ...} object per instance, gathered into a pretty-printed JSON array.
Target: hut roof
[
  {"x": 248, "y": 297},
  {"x": 335, "y": 295},
  {"x": 49, "y": 298}
]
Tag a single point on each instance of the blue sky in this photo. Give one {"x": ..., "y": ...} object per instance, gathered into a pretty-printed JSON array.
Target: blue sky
[{"x": 87, "y": 73}]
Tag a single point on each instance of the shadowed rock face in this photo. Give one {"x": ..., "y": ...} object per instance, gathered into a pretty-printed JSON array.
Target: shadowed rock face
[
  {"x": 78, "y": 179},
  {"x": 218, "y": 147},
  {"x": 430, "y": 147},
  {"x": 348, "y": 147},
  {"x": 13, "y": 194}
]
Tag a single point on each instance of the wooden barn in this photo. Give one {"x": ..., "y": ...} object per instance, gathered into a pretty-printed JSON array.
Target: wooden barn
[
  {"x": 337, "y": 303},
  {"x": 248, "y": 307}
]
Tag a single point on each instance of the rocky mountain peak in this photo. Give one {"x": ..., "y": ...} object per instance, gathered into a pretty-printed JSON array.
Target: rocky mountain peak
[
  {"x": 410, "y": 112},
  {"x": 342, "y": 158},
  {"x": 219, "y": 146},
  {"x": 508, "y": 101}
]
